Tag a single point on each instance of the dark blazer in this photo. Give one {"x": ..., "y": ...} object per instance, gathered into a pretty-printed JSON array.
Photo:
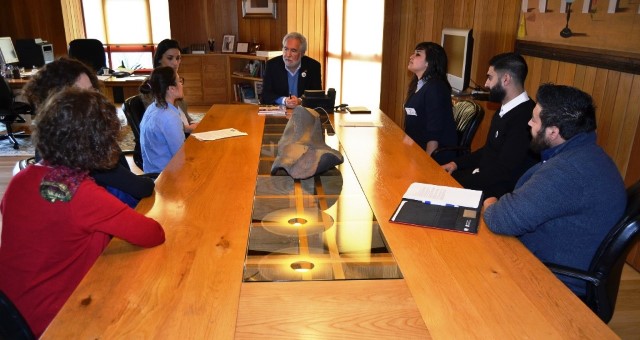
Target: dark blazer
[
  {"x": 276, "y": 85},
  {"x": 505, "y": 156}
]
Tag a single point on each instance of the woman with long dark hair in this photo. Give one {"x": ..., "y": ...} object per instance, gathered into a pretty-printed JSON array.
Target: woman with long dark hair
[
  {"x": 161, "y": 129},
  {"x": 428, "y": 109},
  {"x": 168, "y": 54}
]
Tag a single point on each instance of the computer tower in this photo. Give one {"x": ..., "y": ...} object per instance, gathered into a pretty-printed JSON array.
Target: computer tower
[{"x": 34, "y": 52}]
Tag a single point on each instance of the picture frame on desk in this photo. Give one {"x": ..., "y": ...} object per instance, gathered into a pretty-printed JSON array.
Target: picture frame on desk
[
  {"x": 259, "y": 9},
  {"x": 242, "y": 47},
  {"x": 228, "y": 43}
]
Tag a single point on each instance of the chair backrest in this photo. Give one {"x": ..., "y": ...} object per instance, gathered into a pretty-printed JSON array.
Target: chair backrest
[
  {"x": 610, "y": 257},
  {"x": 6, "y": 96},
  {"x": 89, "y": 51},
  {"x": 468, "y": 115},
  {"x": 134, "y": 110},
  {"x": 12, "y": 324}
]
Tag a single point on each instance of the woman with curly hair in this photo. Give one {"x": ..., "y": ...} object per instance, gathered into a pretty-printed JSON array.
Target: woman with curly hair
[
  {"x": 55, "y": 76},
  {"x": 161, "y": 129},
  {"x": 56, "y": 220}
]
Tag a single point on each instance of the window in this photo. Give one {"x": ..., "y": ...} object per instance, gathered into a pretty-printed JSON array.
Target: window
[
  {"x": 354, "y": 50},
  {"x": 128, "y": 28}
]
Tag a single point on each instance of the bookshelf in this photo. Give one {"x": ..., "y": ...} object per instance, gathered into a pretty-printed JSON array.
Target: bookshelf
[{"x": 245, "y": 77}]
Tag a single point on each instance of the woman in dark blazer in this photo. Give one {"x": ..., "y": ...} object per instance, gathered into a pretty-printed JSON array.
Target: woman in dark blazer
[{"x": 428, "y": 109}]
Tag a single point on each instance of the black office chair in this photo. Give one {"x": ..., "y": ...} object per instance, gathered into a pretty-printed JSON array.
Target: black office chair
[
  {"x": 134, "y": 110},
  {"x": 12, "y": 324},
  {"x": 603, "y": 275},
  {"x": 467, "y": 115},
  {"x": 89, "y": 51},
  {"x": 10, "y": 111}
]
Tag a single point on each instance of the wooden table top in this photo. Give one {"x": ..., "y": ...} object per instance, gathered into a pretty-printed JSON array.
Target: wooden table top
[{"x": 455, "y": 285}]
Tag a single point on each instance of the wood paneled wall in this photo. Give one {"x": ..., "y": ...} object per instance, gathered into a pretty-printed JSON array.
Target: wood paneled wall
[
  {"x": 268, "y": 32},
  {"x": 73, "y": 19},
  {"x": 195, "y": 22},
  {"x": 617, "y": 98},
  {"x": 619, "y": 31},
  {"x": 309, "y": 17},
  {"x": 408, "y": 22},
  {"x": 29, "y": 19}
]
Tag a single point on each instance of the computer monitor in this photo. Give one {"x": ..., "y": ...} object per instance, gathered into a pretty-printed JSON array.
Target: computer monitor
[
  {"x": 7, "y": 52},
  {"x": 458, "y": 44}
]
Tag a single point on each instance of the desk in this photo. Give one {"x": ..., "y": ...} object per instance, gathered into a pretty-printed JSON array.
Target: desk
[
  {"x": 455, "y": 285},
  {"x": 112, "y": 87}
]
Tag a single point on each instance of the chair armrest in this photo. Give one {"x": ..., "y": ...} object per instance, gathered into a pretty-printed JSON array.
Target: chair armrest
[
  {"x": 460, "y": 149},
  {"x": 572, "y": 272}
]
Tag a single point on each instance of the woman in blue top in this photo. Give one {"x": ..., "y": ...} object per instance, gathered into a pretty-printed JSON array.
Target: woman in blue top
[
  {"x": 161, "y": 129},
  {"x": 428, "y": 109}
]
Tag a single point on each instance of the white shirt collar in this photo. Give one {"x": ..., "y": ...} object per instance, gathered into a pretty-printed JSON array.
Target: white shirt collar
[{"x": 523, "y": 97}]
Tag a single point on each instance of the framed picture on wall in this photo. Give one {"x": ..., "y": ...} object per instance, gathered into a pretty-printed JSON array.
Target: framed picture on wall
[
  {"x": 227, "y": 43},
  {"x": 259, "y": 9}
]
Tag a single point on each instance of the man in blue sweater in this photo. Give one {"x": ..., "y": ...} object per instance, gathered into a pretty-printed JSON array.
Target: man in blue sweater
[{"x": 562, "y": 208}]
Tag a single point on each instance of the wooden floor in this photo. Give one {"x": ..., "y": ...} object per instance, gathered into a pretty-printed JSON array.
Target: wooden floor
[{"x": 625, "y": 322}]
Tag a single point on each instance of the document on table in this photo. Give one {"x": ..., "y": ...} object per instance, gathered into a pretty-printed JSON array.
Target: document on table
[
  {"x": 442, "y": 195},
  {"x": 218, "y": 134},
  {"x": 272, "y": 110},
  {"x": 441, "y": 207}
]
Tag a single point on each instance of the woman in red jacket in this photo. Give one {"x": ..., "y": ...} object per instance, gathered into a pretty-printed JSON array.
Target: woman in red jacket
[{"x": 56, "y": 220}]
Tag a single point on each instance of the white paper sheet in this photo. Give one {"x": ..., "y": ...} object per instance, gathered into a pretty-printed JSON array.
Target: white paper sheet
[
  {"x": 218, "y": 134},
  {"x": 442, "y": 195}
]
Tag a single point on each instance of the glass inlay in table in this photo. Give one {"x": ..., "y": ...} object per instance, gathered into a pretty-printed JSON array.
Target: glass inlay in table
[{"x": 321, "y": 228}]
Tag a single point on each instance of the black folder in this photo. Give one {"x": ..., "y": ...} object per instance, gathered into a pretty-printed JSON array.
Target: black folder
[
  {"x": 421, "y": 212},
  {"x": 436, "y": 216}
]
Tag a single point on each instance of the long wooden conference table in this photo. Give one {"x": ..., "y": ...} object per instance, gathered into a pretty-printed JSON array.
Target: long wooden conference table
[{"x": 452, "y": 285}]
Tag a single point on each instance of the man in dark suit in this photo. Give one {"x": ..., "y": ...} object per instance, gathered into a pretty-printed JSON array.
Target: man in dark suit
[
  {"x": 495, "y": 167},
  {"x": 286, "y": 77}
]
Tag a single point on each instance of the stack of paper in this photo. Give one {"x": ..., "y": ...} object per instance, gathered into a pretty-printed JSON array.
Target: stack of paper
[
  {"x": 271, "y": 110},
  {"x": 269, "y": 54}
]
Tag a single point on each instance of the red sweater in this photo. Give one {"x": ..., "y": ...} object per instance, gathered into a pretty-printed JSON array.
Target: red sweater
[{"x": 47, "y": 248}]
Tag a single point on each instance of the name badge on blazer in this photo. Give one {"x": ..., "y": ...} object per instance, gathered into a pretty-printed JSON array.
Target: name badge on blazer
[{"x": 410, "y": 111}]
